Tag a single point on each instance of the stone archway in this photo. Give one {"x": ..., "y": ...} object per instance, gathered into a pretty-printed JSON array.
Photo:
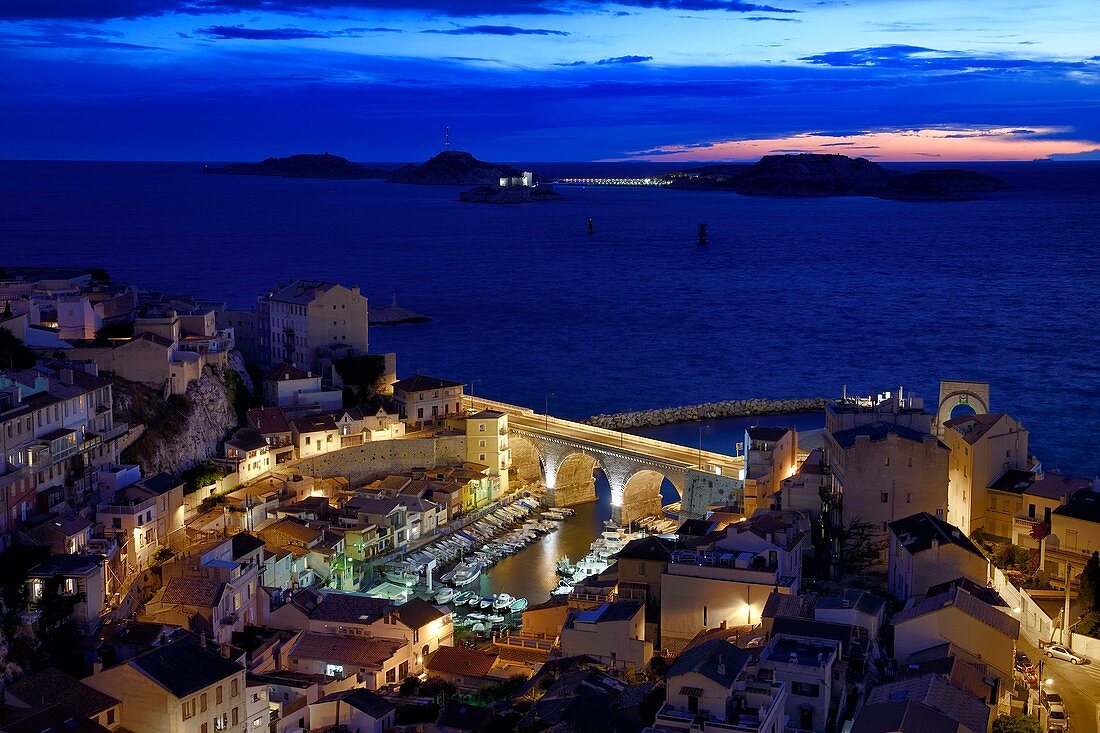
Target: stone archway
[
  {"x": 641, "y": 496},
  {"x": 527, "y": 464},
  {"x": 574, "y": 481},
  {"x": 955, "y": 394}
]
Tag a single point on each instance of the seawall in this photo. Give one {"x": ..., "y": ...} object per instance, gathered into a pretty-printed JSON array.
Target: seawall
[{"x": 708, "y": 411}]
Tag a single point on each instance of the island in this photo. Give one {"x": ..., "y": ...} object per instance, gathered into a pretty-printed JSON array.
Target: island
[
  {"x": 508, "y": 194},
  {"x": 454, "y": 168},
  {"x": 814, "y": 174},
  {"x": 304, "y": 165}
]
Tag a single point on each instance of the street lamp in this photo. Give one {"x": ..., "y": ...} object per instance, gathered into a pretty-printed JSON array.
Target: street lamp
[{"x": 701, "y": 429}]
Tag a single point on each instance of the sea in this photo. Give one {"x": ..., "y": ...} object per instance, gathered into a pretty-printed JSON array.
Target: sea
[{"x": 788, "y": 297}]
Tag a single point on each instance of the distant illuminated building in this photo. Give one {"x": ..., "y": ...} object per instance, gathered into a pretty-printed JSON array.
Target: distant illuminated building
[{"x": 525, "y": 180}]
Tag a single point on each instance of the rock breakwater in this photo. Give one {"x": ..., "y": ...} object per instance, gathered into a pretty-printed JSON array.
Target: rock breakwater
[{"x": 708, "y": 411}]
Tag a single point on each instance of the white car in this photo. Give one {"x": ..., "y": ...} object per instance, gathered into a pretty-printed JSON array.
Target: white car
[
  {"x": 1057, "y": 651},
  {"x": 1056, "y": 720}
]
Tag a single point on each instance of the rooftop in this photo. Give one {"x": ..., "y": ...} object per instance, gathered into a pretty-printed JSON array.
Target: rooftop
[
  {"x": 969, "y": 604},
  {"x": 52, "y": 686},
  {"x": 767, "y": 434},
  {"x": 1084, "y": 505},
  {"x": 939, "y": 694},
  {"x": 718, "y": 660},
  {"x": 973, "y": 428},
  {"x": 604, "y": 613},
  {"x": 902, "y": 717},
  {"x": 185, "y": 665},
  {"x": 364, "y": 700},
  {"x": 461, "y": 661},
  {"x": 877, "y": 432},
  {"x": 919, "y": 532},
  {"x": 421, "y": 383},
  {"x": 356, "y": 650}
]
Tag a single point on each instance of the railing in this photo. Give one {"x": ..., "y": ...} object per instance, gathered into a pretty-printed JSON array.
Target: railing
[{"x": 109, "y": 507}]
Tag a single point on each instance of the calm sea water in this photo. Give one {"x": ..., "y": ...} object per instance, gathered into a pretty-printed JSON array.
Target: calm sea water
[{"x": 789, "y": 298}]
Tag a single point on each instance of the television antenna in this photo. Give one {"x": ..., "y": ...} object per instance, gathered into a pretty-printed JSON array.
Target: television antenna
[{"x": 447, "y": 137}]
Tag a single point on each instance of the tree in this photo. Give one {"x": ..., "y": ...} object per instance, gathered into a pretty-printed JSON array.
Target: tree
[
  {"x": 361, "y": 376},
  {"x": 1088, "y": 593},
  {"x": 14, "y": 354},
  {"x": 7, "y": 310},
  {"x": 1015, "y": 724},
  {"x": 859, "y": 550},
  {"x": 409, "y": 686},
  {"x": 99, "y": 275}
]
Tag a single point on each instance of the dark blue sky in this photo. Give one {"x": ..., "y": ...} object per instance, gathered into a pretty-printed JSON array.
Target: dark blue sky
[{"x": 532, "y": 80}]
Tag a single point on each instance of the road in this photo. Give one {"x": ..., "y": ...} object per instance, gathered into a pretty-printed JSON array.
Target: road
[
  {"x": 1079, "y": 686},
  {"x": 620, "y": 442}
]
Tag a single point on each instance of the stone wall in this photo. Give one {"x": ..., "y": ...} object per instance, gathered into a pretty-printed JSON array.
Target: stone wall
[
  {"x": 705, "y": 489},
  {"x": 709, "y": 411},
  {"x": 364, "y": 463},
  {"x": 575, "y": 482}
]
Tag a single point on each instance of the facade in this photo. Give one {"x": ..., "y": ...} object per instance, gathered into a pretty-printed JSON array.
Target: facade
[
  {"x": 882, "y": 464},
  {"x": 295, "y": 322},
  {"x": 982, "y": 448},
  {"x": 487, "y": 444},
  {"x": 182, "y": 686},
  {"x": 712, "y": 687},
  {"x": 612, "y": 633},
  {"x": 250, "y": 453},
  {"x": 926, "y": 551},
  {"x": 771, "y": 455},
  {"x": 314, "y": 435},
  {"x": 806, "y": 667},
  {"x": 1074, "y": 534},
  {"x": 425, "y": 401},
  {"x": 56, "y": 428},
  {"x": 295, "y": 389},
  {"x": 727, "y": 582},
  {"x": 69, "y": 575},
  {"x": 356, "y": 710}
]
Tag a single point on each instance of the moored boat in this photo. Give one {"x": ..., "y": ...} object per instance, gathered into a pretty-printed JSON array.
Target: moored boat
[
  {"x": 502, "y": 602},
  {"x": 518, "y": 605},
  {"x": 467, "y": 573},
  {"x": 445, "y": 595}
]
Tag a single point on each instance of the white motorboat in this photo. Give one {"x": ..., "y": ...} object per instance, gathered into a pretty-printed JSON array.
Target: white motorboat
[
  {"x": 461, "y": 599},
  {"x": 445, "y": 595},
  {"x": 467, "y": 573},
  {"x": 518, "y": 605},
  {"x": 502, "y": 602},
  {"x": 487, "y": 603},
  {"x": 403, "y": 576}
]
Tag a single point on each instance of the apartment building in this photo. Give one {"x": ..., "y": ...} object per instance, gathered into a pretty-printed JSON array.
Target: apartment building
[
  {"x": 297, "y": 321},
  {"x": 771, "y": 455},
  {"x": 425, "y": 401},
  {"x": 983, "y": 447}
]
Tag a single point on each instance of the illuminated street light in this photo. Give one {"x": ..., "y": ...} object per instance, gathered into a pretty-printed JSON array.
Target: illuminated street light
[{"x": 1048, "y": 681}]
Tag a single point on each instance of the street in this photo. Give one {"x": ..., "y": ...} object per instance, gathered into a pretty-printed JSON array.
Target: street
[{"x": 1079, "y": 686}]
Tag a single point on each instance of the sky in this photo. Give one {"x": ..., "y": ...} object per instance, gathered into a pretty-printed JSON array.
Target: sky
[{"x": 547, "y": 80}]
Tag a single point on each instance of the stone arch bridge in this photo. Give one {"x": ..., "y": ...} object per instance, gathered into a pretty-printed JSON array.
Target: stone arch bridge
[{"x": 565, "y": 454}]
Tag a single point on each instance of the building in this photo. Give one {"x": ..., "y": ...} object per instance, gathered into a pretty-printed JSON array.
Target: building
[
  {"x": 182, "y": 686},
  {"x": 250, "y": 453},
  {"x": 295, "y": 322},
  {"x": 356, "y": 710},
  {"x": 314, "y": 435},
  {"x": 64, "y": 534},
  {"x": 882, "y": 464},
  {"x": 56, "y": 428},
  {"x": 983, "y": 447},
  {"x": 713, "y": 687},
  {"x": 966, "y": 616},
  {"x": 612, "y": 633},
  {"x": 936, "y": 692},
  {"x": 70, "y": 575},
  {"x": 425, "y": 401},
  {"x": 1040, "y": 494},
  {"x": 642, "y": 565},
  {"x": 376, "y": 662},
  {"x": 487, "y": 444},
  {"x": 299, "y": 391},
  {"x": 727, "y": 581},
  {"x": 272, "y": 424},
  {"x": 811, "y": 671},
  {"x": 904, "y": 716},
  {"x": 926, "y": 551},
  {"x": 1074, "y": 534},
  {"x": 802, "y": 492},
  {"x": 771, "y": 455},
  {"x": 51, "y": 687},
  {"x": 144, "y": 516},
  {"x": 467, "y": 669}
]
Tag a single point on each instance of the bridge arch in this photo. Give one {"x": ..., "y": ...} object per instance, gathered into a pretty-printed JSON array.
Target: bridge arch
[
  {"x": 527, "y": 463},
  {"x": 640, "y": 497}
]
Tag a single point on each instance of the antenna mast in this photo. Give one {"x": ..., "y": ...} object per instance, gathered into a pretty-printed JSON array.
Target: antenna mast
[{"x": 447, "y": 137}]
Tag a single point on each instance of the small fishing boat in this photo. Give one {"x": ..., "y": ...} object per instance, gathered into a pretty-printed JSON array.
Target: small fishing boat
[
  {"x": 474, "y": 601},
  {"x": 461, "y": 599},
  {"x": 502, "y": 601},
  {"x": 467, "y": 573},
  {"x": 564, "y": 566},
  {"x": 487, "y": 602},
  {"x": 495, "y": 618},
  {"x": 445, "y": 595},
  {"x": 518, "y": 605},
  {"x": 403, "y": 576}
]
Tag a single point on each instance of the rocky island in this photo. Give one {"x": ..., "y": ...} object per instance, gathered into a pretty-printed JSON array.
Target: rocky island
[
  {"x": 813, "y": 174},
  {"x": 490, "y": 194},
  {"x": 304, "y": 165},
  {"x": 453, "y": 168}
]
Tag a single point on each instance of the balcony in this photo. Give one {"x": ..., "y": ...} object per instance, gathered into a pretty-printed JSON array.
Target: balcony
[
  {"x": 121, "y": 506},
  {"x": 674, "y": 717}
]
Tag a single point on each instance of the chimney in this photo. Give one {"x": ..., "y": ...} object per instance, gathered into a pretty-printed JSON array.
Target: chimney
[
  {"x": 721, "y": 666},
  {"x": 223, "y": 649},
  {"x": 202, "y": 639}
]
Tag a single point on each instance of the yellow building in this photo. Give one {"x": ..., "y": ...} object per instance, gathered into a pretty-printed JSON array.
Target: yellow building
[
  {"x": 982, "y": 448},
  {"x": 1074, "y": 534},
  {"x": 487, "y": 444}
]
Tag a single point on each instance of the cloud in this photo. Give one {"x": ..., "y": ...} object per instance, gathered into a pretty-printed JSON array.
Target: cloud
[
  {"x": 898, "y": 144},
  {"x": 239, "y": 32},
  {"x": 762, "y": 18},
  {"x": 65, "y": 35},
  {"x": 497, "y": 30},
  {"x": 107, "y": 9},
  {"x": 902, "y": 56},
  {"x": 624, "y": 60}
]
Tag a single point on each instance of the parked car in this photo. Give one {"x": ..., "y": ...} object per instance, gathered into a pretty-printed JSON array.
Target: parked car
[
  {"x": 1057, "y": 720},
  {"x": 1052, "y": 701},
  {"x": 1057, "y": 651},
  {"x": 1023, "y": 663}
]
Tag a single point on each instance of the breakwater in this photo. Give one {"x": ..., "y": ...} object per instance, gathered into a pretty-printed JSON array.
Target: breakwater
[{"x": 708, "y": 411}]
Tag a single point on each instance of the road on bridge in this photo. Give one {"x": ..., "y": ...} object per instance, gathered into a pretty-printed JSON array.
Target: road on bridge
[{"x": 627, "y": 444}]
